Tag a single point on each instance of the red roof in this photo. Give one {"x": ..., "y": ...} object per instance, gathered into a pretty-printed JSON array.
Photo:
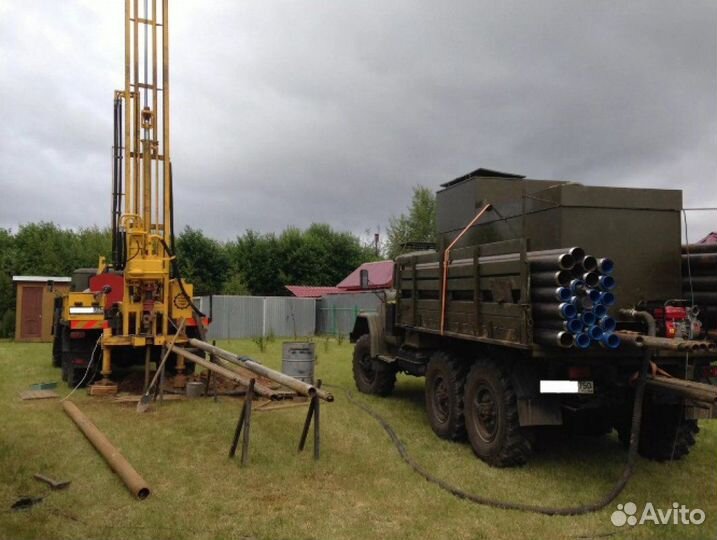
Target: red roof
[
  {"x": 307, "y": 291},
  {"x": 380, "y": 276},
  {"x": 711, "y": 238}
]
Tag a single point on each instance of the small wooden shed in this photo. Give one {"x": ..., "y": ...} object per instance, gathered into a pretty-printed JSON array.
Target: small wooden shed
[{"x": 34, "y": 305}]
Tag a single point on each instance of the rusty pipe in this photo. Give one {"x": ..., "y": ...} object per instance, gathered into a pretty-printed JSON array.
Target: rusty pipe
[
  {"x": 226, "y": 373},
  {"x": 290, "y": 382},
  {"x": 633, "y": 338},
  {"x": 134, "y": 482}
]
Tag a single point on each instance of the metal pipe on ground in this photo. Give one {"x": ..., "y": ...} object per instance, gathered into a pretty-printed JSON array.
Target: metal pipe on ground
[
  {"x": 134, "y": 482},
  {"x": 290, "y": 382},
  {"x": 558, "y": 278},
  {"x": 552, "y": 338},
  {"x": 226, "y": 373}
]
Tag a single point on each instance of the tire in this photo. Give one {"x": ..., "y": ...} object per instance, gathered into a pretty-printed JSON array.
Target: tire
[
  {"x": 491, "y": 417},
  {"x": 371, "y": 375},
  {"x": 665, "y": 435},
  {"x": 445, "y": 382}
]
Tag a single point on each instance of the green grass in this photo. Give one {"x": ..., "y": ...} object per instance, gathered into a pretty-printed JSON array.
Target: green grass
[{"x": 360, "y": 489}]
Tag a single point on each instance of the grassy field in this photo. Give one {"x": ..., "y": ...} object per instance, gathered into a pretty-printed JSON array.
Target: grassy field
[{"x": 360, "y": 489}]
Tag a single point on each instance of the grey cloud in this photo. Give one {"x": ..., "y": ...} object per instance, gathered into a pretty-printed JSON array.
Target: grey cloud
[{"x": 287, "y": 113}]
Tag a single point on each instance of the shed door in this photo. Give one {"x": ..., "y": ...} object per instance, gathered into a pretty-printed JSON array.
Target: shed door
[{"x": 31, "y": 321}]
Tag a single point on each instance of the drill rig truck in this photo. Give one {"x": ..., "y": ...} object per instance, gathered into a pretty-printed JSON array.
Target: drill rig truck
[
  {"x": 124, "y": 311},
  {"x": 543, "y": 305}
]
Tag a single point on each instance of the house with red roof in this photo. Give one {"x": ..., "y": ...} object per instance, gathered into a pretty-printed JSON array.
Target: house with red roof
[{"x": 380, "y": 276}]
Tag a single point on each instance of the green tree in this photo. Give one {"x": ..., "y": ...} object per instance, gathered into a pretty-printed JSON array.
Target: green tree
[
  {"x": 202, "y": 261},
  {"x": 418, "y": 225}
]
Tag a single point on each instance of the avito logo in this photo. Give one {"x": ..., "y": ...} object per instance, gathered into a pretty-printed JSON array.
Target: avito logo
[{"x": 679, "y": 514}]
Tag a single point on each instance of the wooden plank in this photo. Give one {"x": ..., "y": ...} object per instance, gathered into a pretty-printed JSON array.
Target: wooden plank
[{"x": 38, "y": 394}]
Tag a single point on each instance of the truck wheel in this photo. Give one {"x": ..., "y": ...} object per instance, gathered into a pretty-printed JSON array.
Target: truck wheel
[
  {"x": 445, "y": 382},
  {"x": 665, "y": 434},
  {"x": 372, "y": 376},
  {"x": 491, "y": 414}
]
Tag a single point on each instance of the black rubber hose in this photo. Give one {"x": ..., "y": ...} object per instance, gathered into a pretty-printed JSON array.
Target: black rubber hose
[
  {"x": 178, "y": 277},
  {"x": 510, "y": 505}
]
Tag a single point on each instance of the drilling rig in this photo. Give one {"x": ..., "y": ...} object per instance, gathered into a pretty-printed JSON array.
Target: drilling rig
[{"x": 127, "y": 309}]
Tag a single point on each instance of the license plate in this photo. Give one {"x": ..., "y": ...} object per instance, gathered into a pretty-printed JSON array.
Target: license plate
[{"x": 585, "y": 387}]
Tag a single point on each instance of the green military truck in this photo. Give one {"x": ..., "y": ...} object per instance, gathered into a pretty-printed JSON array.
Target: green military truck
[{"x": 538, "y": 307}]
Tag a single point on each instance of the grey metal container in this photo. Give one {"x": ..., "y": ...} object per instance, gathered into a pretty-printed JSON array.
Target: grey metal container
[
  {"x": 194, "y": 389},
  {"x": 298, "y": 359}
]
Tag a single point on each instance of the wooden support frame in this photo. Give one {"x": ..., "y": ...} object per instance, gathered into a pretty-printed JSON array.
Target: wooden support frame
[
  {"x": 244, "y": 425},
  {"x": 313, "y": 412}
]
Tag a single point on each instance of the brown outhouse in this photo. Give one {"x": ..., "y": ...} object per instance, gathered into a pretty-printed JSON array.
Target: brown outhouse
[{"x": 35, "y": 300}]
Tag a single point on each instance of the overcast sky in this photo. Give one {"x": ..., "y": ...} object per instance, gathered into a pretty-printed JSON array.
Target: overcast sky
[{"x": 290, "y": 112}]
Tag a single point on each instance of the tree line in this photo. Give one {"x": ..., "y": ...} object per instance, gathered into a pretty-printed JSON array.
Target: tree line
[{"x": 254, "y": 263}]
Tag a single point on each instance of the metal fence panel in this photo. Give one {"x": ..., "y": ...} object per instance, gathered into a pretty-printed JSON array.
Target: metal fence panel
[
  {"x": 336, "y": 313},
  {"x": 236, "y": 317}
]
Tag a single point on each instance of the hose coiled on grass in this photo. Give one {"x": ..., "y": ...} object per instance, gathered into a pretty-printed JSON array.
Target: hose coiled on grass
[{"x": 510, "y": 505}]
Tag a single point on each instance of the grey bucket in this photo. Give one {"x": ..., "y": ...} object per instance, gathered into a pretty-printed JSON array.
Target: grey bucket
[
  {"x": 298, "y": 360},
  {"x": 194, "y": 389}
]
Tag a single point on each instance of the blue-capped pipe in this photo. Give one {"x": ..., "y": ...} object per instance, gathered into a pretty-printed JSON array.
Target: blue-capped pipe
[
  {"x": 568, "y": 311},
  {"x": 607, "y": 283},
  {"x": 599, "y": 310},
  {"x": 582, "y": 340},
  {"x": 574, "y": 326},
  {"x": 577, "y": 286},
  {"x": 588, "y": 318},
  {"x": 607, "y": 298},
  {"x": 610, "y": 340},
  {"x": 595, "y": 333},
  {"x": 605, "y": 265},
  {"x": 594, "y": 295},
  {"x": 607, "y": 324}
]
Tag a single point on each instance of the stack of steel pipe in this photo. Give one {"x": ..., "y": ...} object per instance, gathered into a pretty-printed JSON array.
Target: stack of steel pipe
[
  {"x": 699, "y": 274},
  {"x": 571, "y": 294}
]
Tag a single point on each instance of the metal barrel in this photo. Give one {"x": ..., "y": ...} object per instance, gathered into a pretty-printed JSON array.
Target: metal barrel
[
  {"x": 117, "y": 462},
  {"x": 553, "y": 338},
  {"x": 194, "y": 389},
  {"x": 607, "y": 282},
  {"x": 699, "y": 248},
  {"x": 551, "y": 294},
  {"x": 569, "y": 325},
  {"x": 605, "y": 265},
  {"x": 554, "y": 311},
  {"x": 555, "y": 278},
  {"x": 589, "y": 263},
  {"x": 700, "y": 283},
  {"x": 298, "y": 359}
]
